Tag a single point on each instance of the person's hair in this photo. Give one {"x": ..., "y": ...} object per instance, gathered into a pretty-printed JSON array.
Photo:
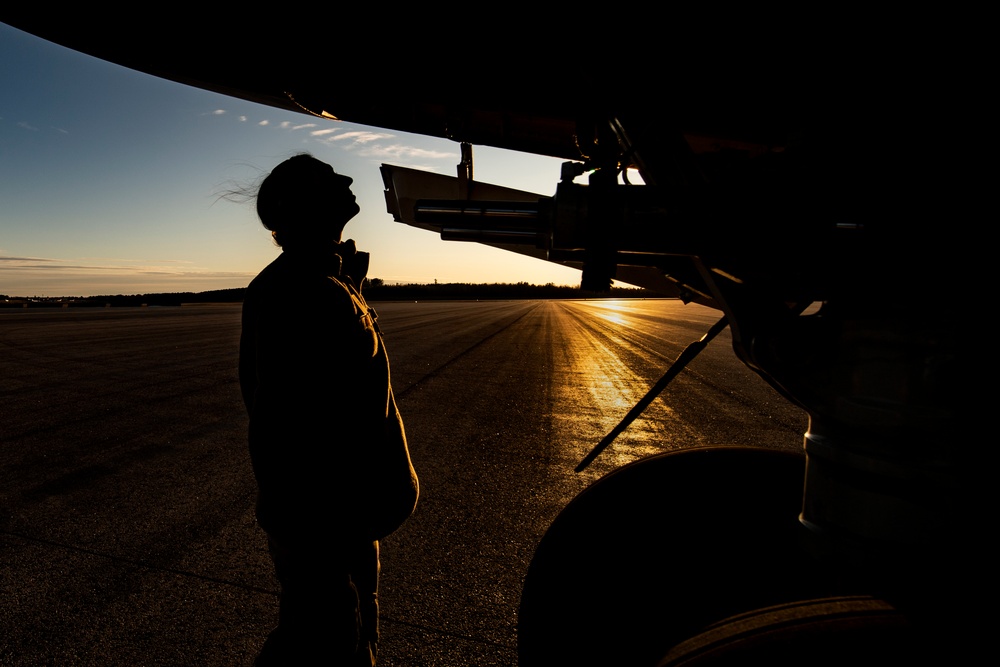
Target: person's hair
[{"x": 287, "y": 198}]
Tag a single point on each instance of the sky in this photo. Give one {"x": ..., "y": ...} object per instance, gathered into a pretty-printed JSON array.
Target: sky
[{"x": 110, "y": 183}]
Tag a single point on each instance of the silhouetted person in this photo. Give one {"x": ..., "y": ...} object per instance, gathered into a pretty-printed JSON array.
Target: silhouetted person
[{"x": 326, "y": 440}]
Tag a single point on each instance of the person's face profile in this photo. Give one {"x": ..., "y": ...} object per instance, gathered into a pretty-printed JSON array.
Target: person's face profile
[{"x": 342, "y": 200}]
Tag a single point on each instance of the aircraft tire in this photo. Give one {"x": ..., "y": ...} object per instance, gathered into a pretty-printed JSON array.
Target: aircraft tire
[{"x": 652, "y": 553}]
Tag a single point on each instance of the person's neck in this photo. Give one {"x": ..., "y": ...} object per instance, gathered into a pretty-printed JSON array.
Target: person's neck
[
  {"x": 322, "y": 256},
  {"x": 314, "y": 248}
]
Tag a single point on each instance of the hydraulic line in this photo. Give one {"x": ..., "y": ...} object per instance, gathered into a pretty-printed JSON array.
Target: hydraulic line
[{"x": 689, "y": 353}]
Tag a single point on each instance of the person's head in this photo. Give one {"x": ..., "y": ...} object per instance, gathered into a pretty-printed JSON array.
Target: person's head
[{"x": 304, "y": 201}]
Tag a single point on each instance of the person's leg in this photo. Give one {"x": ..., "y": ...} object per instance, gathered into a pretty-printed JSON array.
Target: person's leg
[
  {"x": 318, "y": 616},
  {"x": 365, "y": 570}
]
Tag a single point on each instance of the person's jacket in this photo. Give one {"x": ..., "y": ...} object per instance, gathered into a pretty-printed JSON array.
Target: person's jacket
[{"x": 326, "y": 440}]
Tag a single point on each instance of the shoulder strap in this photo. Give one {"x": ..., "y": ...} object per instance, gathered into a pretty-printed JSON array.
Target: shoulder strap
[{"x": 369, "y": 316}]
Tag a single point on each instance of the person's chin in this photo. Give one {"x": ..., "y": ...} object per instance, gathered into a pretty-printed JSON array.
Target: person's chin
[{"x": 347, "y": 215}]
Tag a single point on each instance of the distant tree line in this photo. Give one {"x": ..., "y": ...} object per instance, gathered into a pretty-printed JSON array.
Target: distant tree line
[{"x": 375, "y": 289}]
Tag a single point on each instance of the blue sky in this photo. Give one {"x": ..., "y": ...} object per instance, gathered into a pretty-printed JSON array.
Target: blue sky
[{"x": 109, "y": 181}]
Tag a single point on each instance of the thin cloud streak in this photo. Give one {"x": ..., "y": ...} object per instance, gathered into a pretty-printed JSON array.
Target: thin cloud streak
[
  {"x": 37, "y": 277},
  {"x": 399, "y": 151},
  {"x": 434, "y": 169},
  {"x": 364, "y": 142},
  {"x": 24, "y": 259},
  {"x": 362, "y": 137},
  {"x": 61, "y": 285},
  {"x": 172, "y": 267}
]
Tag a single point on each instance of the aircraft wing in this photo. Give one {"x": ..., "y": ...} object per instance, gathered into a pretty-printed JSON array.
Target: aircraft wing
[{"x": 470, "y": 87}]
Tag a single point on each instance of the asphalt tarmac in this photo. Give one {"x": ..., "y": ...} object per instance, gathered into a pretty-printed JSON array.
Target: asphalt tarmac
[{"x": 127, "y": 534}]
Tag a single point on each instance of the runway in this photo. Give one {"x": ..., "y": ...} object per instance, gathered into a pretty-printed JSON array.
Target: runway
[{"x": 126, "y": 506}]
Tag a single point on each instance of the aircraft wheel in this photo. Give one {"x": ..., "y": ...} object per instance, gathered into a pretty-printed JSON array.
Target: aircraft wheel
[
  {"x": 858, "y": 630},
  {"x": 655, "y": 551}
]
